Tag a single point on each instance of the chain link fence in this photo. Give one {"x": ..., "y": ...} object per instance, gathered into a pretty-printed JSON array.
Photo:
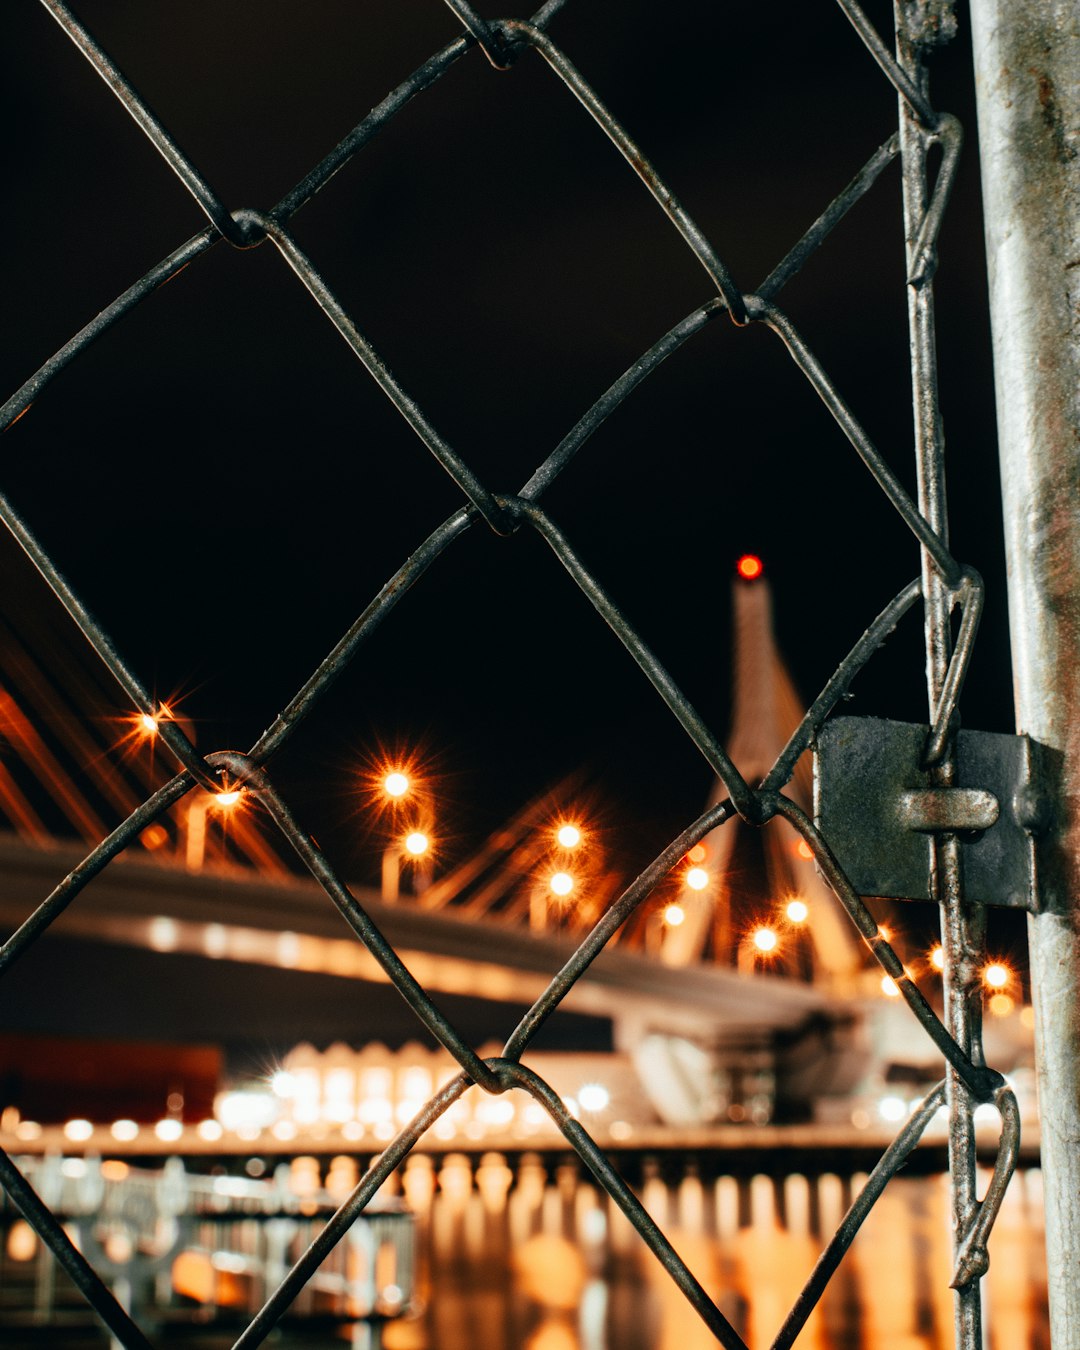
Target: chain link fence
[{"x": 945, "y": 588}]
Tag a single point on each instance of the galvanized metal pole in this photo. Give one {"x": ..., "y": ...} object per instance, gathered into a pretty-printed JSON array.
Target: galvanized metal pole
[{"x": 1027, "y": 66}]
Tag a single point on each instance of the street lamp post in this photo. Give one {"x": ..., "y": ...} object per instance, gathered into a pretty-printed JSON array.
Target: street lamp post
[
  {"x": 195, "y": 824},
  {"x": 415, "y": 848}
]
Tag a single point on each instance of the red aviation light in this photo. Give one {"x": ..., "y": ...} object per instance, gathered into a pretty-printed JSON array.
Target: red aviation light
[{"x": 750, "y": 567}]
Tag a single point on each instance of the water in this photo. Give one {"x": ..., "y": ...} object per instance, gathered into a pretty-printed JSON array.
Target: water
[
  {"x": 521, "y": 1253},
  {"x": 542, "y": 1261}
]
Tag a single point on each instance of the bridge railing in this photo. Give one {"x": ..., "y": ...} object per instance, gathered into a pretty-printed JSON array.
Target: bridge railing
[{"x": 182, "y": 1247}]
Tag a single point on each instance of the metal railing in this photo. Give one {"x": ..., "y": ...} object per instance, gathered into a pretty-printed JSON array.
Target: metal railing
[
  {"x": 944, "y": 586},
  {"x": 233, "y": 1238}
]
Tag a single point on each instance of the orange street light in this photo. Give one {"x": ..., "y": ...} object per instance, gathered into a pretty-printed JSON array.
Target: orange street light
[
  {"x": 764, "y": 939},
  {"x": 415, "y": 847},
  {"x": 396, "y": 784},
  {"x": 417, "y": 844},
  {"x": 996, "y": 976}
]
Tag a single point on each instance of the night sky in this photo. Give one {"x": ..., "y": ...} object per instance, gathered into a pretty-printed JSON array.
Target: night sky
[{"x": 226, "y": 487}]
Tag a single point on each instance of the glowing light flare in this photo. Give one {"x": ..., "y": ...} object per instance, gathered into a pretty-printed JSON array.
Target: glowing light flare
[
  {"x": 561, "y": 883},
  {"x": 227, "y": 799},
  {"x": 283, "y": 1084},
  {"x": 1001, "y": 1005},
  {"x": 764, "y": 939},
  {"x": 22, "y": 1242},
  {"x": 593, "y": 1097},
  {"x": 674, "y": 915},
  {"x": 996, "y": 975},
  {"x": 889, "y": 987},
  {"x": 937, "y": 957},
  {"x": 697, "y": 854},
  {"x": 396, "y": 784},
  {"x": 568, "y": 835},
  {"x": 417, "y": 844},
  {"x": 797, "y": 911},
  {"x": 803, "y": 849},
  {"x": 749, "y": 567},
  {"x": 892, "y": 1108},
  {"x": 697, "y": 878},
  {"x": 143, "y": 726}
]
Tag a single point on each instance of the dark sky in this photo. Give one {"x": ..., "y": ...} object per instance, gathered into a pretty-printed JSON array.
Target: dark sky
[{"x": 227, "y": 488}]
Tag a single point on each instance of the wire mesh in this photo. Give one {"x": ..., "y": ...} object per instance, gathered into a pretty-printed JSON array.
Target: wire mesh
[{"x": 945, "y": 586}]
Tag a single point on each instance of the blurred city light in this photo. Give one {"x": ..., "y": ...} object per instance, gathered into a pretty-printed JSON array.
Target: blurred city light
[
  {"x": 892, "y": 1108},
  {"x": 764, "y": 939},
  {"x": 417, "y": 844},
  {"x": 593, "y": 1097},
  {"x": 395, "y": 784},
  {"x": 996, "y": 975}
]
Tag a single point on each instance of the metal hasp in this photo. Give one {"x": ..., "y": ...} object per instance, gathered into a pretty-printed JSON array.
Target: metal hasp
[{"x": 877, "y": 810}]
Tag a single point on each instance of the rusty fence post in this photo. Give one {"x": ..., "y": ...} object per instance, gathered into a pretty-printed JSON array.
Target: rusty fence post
[{"x": 1027, "y": 68}]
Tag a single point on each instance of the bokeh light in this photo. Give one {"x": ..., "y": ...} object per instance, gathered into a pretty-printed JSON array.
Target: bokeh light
[
  {"x": 417, "y": 844},
  {"x": 996, "y": 975},
  {"x": 764, "y": 939}
]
